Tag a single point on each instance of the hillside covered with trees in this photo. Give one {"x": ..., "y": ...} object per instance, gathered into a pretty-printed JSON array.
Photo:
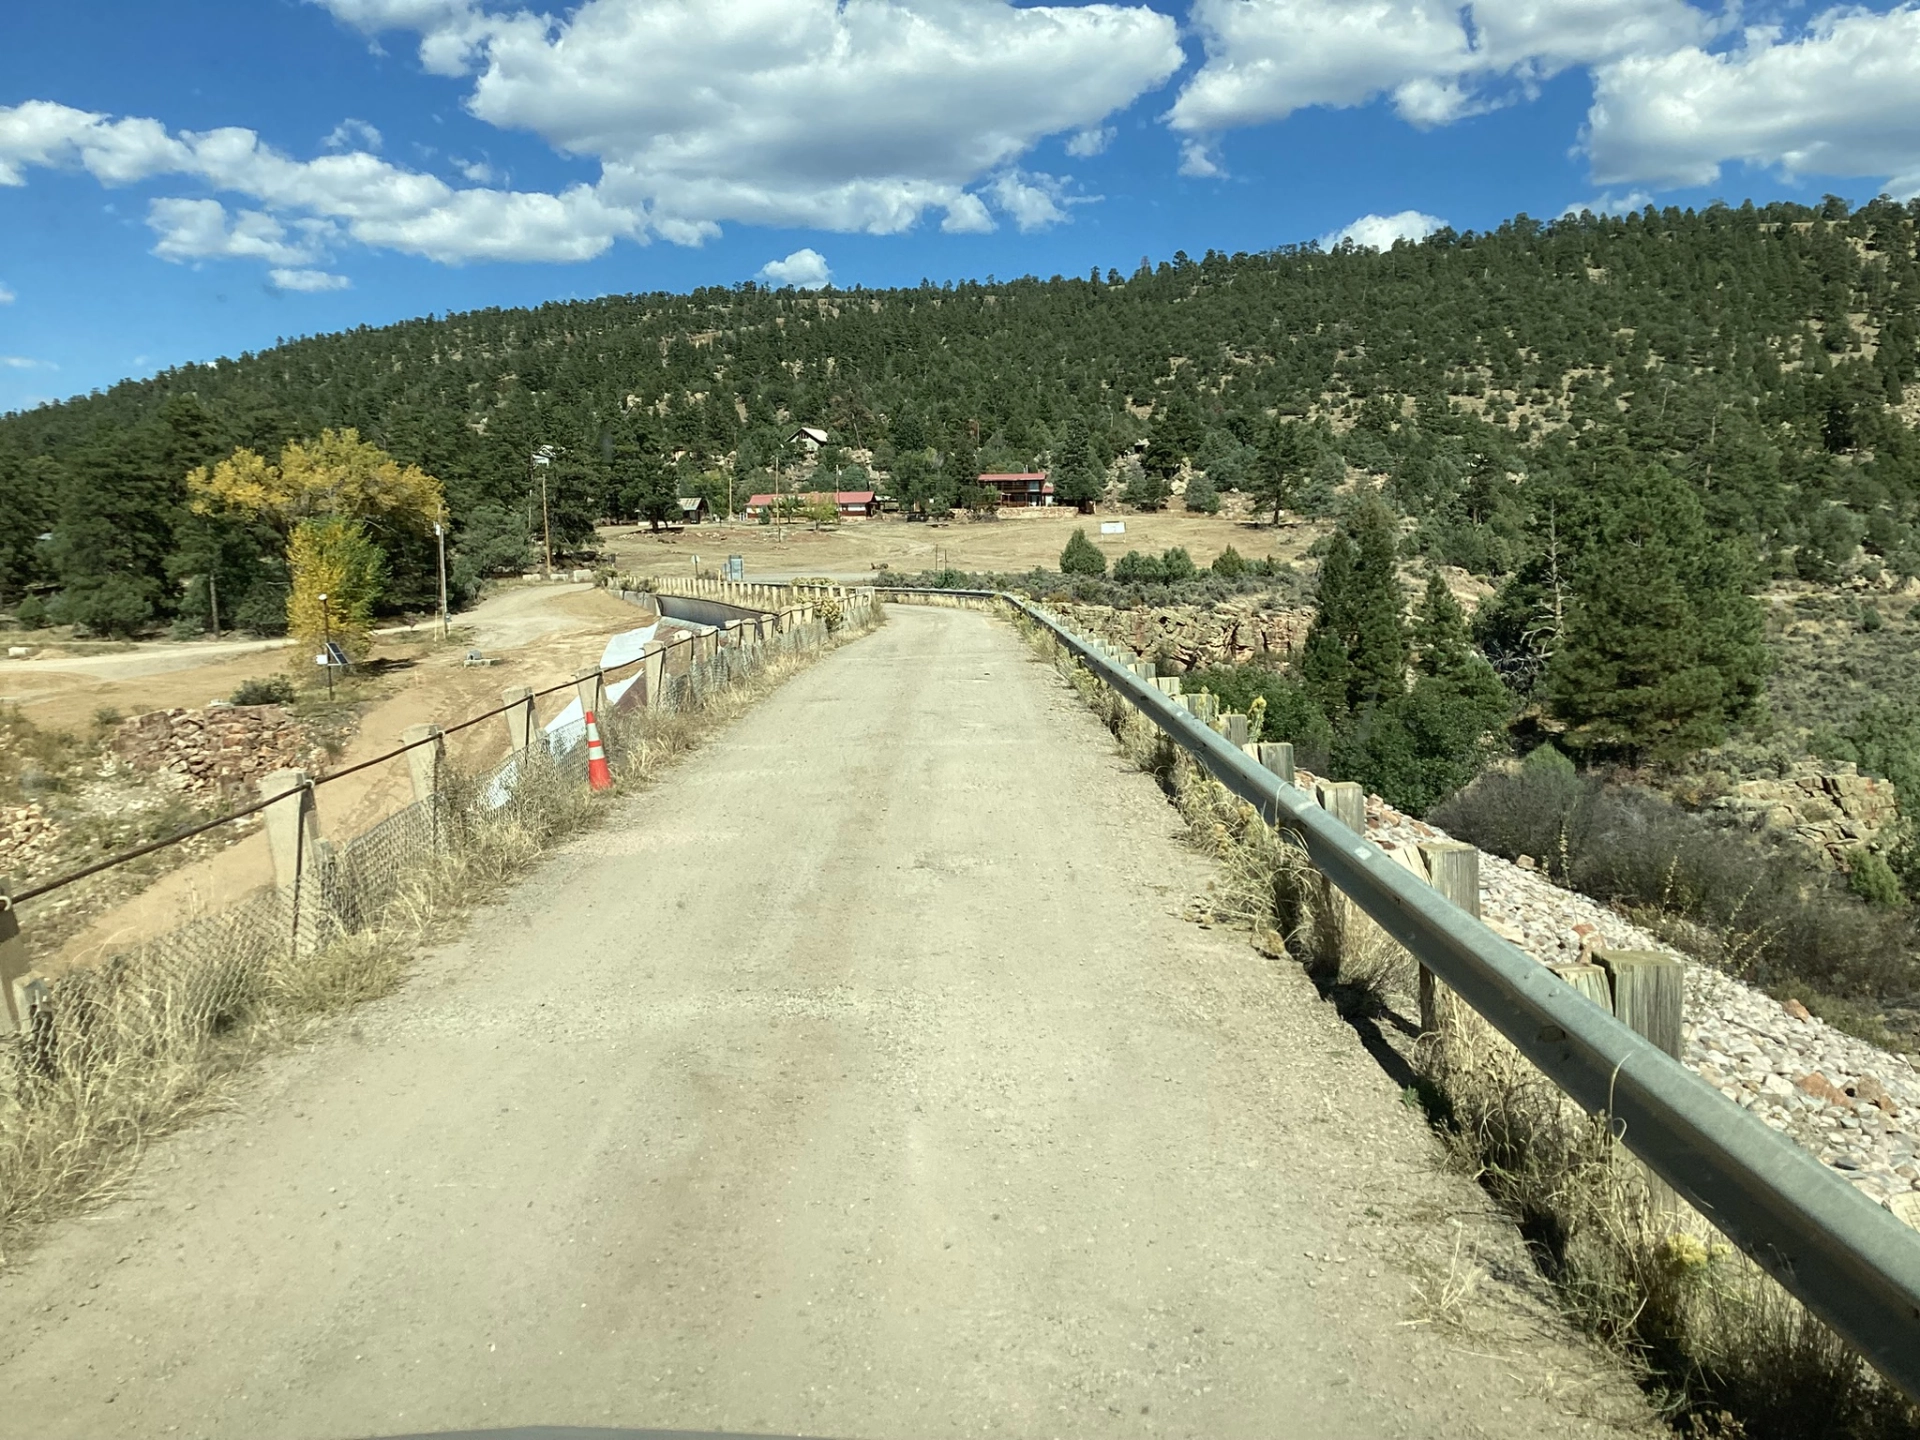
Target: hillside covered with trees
[{"x": 1626, "y": 424}]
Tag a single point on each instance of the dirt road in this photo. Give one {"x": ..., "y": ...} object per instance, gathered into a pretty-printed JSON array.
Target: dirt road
[{"x": 860, "y": 1079}]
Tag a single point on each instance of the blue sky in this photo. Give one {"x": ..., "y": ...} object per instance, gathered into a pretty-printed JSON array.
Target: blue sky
[{"x": 193, "y": 180}]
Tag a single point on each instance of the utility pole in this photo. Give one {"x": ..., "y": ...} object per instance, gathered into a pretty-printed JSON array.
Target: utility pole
[
  {"x": 326, "y": 647},
  {"x": 213, "y": 600},
  {"x": 440, "y": 535},
  {"x": 542, "y": 458}
]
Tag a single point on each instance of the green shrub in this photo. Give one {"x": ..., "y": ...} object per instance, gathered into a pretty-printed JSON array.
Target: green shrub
[
  {"x": 1082, "y": 556},
  {"x": 1133, "y": 568},
  {"x": 1176, "y": 565},
  {"x": 1291, "y": 714},
  {"x": 1229, "y": 564},
  {"x": 272, "y": 690},
  {"x": 32, "y": 613},
  {"x": 1202, "y": 498},
  {"x": 1872, "y": 879}
]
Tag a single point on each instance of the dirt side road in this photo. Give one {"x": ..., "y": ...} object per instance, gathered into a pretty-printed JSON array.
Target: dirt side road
[{"x": 859, "y": 1080}]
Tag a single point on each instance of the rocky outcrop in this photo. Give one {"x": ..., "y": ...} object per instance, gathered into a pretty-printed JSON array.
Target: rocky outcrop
[
  {"x": 222, "y": 749},
  {"x": 27, "y": 836},
  {"x": 1192, "y": 637},
  {"x": 1831, "y": 813}
]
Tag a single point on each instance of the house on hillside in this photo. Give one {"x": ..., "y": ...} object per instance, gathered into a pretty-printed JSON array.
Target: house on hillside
[
  {"x": 694, "y": 510},
  {"x": 1028, "y": 489},
  {"x": 808, "y": 437}
]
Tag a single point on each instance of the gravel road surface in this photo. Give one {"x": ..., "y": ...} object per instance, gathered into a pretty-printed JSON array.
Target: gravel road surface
[{"x": 862, "y": 1079}]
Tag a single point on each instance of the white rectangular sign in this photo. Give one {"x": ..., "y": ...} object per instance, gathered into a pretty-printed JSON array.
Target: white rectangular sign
[{"x": 1113, "y": 527}]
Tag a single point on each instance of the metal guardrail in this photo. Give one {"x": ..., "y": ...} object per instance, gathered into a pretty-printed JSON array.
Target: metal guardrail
[{"x": 1849, "y": 1261}]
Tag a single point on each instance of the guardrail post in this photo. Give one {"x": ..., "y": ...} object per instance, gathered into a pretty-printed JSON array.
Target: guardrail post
[
  {"x": 519, "y": 713},
  {"x": 1649, "y": 993},
  {"x": 1236, "y": 728},
  {"x": 1589, "y": 980},
  {"x": 1167, "y": 684},
  {"x": 1277, "y": 756},
  {"x": 1453, "y": 869},
  {"x": 13, "y": 961},
  {"x": 1346, "y": 801}
]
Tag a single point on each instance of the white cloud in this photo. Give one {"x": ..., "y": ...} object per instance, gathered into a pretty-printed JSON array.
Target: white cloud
[
  {"x": 836, "y": 114},
  {"x": 199, "y": 230},
  {"x": 1199, "y": 157},
  {"x": 1437, "y": 60},
  {"x": 308, "y": 282},
  {"x": 21, "y": 362},
  {"x": 1085, "y": 144},
  {"x": 1378, "y": 232},
  {"x": 353, "y": 134},
  {"x": 803, "y": 269},
  {"x": 1840, "y": 98},
  {"x": 1610, "y": 204},
  {"x": 479, "y": 172},
  {"x": 353, "y": 196},
  {"x": 1033, "y": 201},
  {"x": 7, "y": 297}
]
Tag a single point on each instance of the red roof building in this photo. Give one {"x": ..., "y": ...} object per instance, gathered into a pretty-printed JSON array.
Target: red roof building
[
  {"x": 851, "y": 503},
  {"x": 1029, "y": 488}
]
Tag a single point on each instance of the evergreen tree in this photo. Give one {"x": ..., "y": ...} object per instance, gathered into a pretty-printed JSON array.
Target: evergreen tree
[
  {"x": 1201, "y": 497},
  {"x": 1663, "y": 647},
  {"x": 1082, "y": 556},
  {"x": 1275, "y": 474}
]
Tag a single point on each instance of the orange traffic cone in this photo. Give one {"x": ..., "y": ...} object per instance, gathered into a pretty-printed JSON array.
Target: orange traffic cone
[{"x": 599, "y": 775}]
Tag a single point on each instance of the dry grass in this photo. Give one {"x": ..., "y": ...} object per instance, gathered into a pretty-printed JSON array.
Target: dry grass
[
  {"x": 157, "y": 1037},
  {"x": 1722, "y": 1349}
]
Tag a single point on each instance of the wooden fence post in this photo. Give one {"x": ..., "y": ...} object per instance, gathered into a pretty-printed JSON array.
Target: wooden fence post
[
  {"x": 519, "y": 713},
  {"x": 13, "y": 961},
  {"x": 1649, "y": 993}
]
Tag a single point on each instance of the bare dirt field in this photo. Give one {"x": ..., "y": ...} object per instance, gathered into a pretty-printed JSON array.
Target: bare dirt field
[
  {"x": 538, "y": 635},
  {"x": 1018, "y": 540},
  {"x": 861, "y": 1078}
]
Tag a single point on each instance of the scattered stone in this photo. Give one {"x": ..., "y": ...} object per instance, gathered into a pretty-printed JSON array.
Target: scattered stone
[
  {"x": 1821, "y": 1088},
  {"x": 1869, "y": 1091},
  {"x": 1796, "y": 1010},
  {"x": 27, "y": 835}
]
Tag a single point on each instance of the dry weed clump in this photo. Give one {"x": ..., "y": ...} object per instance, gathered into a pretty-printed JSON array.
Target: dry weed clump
[
  {"x": 158, "y": 1036},
  {"x": 1723, "y": 1350}
]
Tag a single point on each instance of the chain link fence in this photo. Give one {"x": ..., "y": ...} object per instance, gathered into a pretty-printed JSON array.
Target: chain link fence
[{"x": 152, "y": 1020}]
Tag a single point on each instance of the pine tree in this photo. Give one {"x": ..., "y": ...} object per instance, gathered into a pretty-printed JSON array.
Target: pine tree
[
  {"x": 1082, "y": 556},
  {"x": 1275, "y": 476},
  {"x": 1663, "y": 647},
  {"x": 1356, "y": 651}
]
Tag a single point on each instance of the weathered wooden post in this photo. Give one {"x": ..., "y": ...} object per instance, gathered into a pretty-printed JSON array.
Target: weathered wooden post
[
  {"x": 1453, "y": 869},
  {"x": 1277, "y": 756},
  {"x": 519, "y": 715},
  {"x": 293, "y": 829},
  {"x": 425, "y": 759},
  {"x": 1346, "y": 801},
  {"x": 1649, "y": 994},
  {"x": 1236, "y": 728},
  {"x": 13, "y": 961},
  {"x": 591, "y": 687}
]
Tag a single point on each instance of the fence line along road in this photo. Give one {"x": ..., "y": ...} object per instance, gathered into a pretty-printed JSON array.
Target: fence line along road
[{"x": 1849, "y": 1261}]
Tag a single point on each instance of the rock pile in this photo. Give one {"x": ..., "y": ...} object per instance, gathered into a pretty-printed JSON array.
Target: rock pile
[
  {"x": 27, "y": 836},
  {"x": 1191, "y": 637},
  {"x": 1828, "y": 812},
  {"x": 221, "y": 749},
  {"x": 1854, "y": 1105}
]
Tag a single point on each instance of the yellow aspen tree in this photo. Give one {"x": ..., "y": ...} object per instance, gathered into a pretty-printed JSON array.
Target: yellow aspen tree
[
  {"x": 332, "y": 556},
  {"x": 338, "y": 474}
]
